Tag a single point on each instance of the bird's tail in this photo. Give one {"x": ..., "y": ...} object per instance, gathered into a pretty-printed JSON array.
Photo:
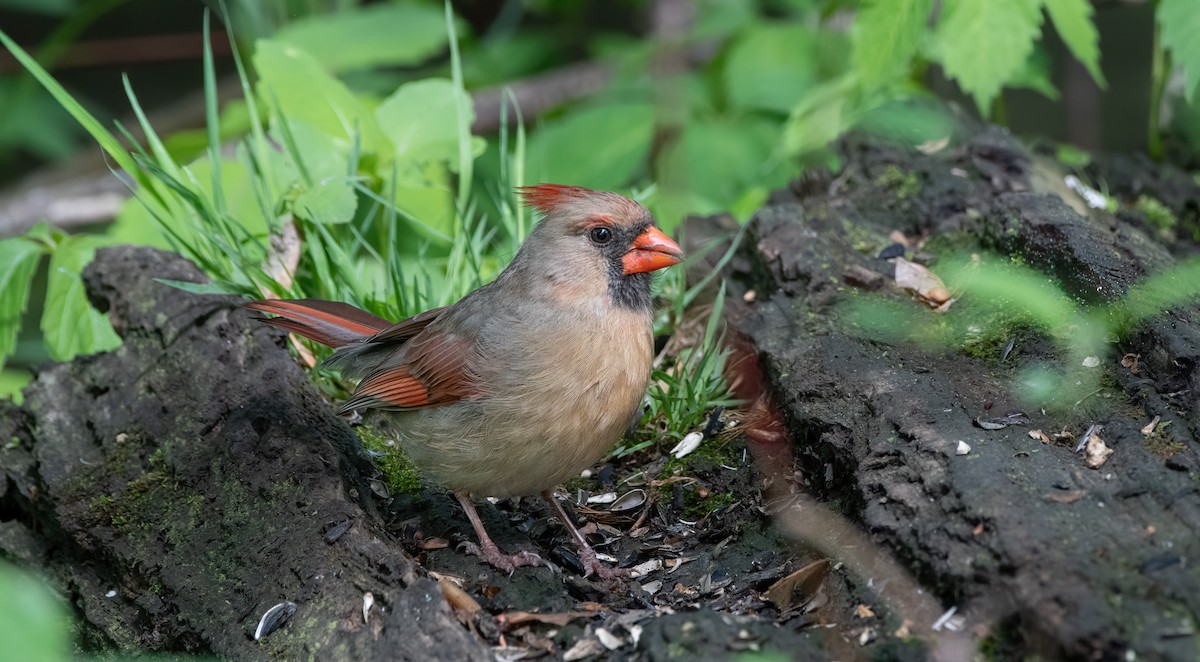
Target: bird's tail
[{"x": 327, "y": 322}]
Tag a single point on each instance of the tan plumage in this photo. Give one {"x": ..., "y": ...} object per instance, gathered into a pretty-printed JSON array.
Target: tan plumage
[{"x": 527, "y": 380}]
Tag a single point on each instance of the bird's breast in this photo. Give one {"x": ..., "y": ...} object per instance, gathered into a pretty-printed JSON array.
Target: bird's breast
[{"x": 558, "y": 403}]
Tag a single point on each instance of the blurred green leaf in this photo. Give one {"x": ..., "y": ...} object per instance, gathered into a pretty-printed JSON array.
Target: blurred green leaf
[
  {"x": 909, "y": 121},
  {"x": 826, "y": 112},
  {"x": 886, "y": 36},
  {"x": 33, "y": 623},
  {"x": 720, "y": 18},
  {"x": 48, "y": 7},
  {"x": 602, "y": 147},
  {"x": 297, "y": 86},
  {"x": 81, "y": 115},
  {"x": 367, "y": 36},
  {"x": 1163, "y": 290},
  {"x": 18, "y": 261},
  {"x": 327, "y": 201},
  {"x": 36, "y": 122},
  {"x": 1035, "y": 75},
  {"x": 12, "y": 381},
  {"x": 983, "y": 44},
  {"x": 315, "y": 168},
  {"x": 1073, "y": 21},
  {"x": 1179, "y": 21},
  {"x": 420, "y": 120},
  {"x": 70, "y": 325},
  {"x": 714, "y": 161},
  {"x": 770, "y": 67}
]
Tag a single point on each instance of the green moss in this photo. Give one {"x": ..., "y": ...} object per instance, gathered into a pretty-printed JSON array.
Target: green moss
[
  {"x": 1162, "y": 445},
  {"x": 399, "y": 473},
  {"x": 904, "y": 184},
  {"x": 707, "y": 458},
  {"x": 1157, "y": 214}
]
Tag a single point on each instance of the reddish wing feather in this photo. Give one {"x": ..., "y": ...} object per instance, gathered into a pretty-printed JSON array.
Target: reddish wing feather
[
  {"x": 435, "y": 370},
  {"x": 328, "y": 322}
]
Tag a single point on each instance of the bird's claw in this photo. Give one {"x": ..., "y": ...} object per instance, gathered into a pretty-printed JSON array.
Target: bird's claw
[
  {"x": 504, "y": 562},
  {"x": 591, "y": 564}
]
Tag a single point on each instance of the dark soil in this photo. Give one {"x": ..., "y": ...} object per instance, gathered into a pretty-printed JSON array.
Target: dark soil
[{"x": 198, "y": 473}]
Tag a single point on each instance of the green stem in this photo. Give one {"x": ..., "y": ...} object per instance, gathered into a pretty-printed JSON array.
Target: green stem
[{"x": 1160, "y": 71}]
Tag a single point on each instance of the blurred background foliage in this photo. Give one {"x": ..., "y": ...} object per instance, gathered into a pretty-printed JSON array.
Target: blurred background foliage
[{"x": 347, "y": 131}]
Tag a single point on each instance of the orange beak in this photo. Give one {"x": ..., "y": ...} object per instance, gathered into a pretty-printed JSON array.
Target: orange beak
[{"x": 651, "y": 251}]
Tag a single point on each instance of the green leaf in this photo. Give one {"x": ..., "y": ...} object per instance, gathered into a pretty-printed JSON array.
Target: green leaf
[
  {"x": 33, "y": 622},
  {"x": 33, "y": 120},
  {"x": 911, "y": 121},
  {"x": 420, "y": 120},
  {"x": 886, "y": 36},
  {"x": 18, "y": 262},
  {"x": 328, "y": 201},
  {"x": 383, "y": 34},
  {"x": 714, "y": 162},
  {"x": 1073, "y": 21},
  {"x": 983, "y": 44},
  {"x": 1035, "y": 75},
  {"x": 825, "y": 113},
  {"x": 12, "y": 381},
  {"x": 602, "y": 147},
  {"x": 297, "y": 86},
  {"x": 70, "y": 325},
  {"x": 770, "y": 67},
  {"x": 1180, "y": 24}
]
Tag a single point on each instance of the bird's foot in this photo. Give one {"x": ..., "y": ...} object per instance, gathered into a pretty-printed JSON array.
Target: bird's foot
[
  {"x": 501, "y": 561},
  {"x": 593, "y": 565}
]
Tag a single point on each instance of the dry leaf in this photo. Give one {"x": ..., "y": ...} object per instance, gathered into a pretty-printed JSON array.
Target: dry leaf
[
  {"x": 1039, "y": 435},
  {"x": 915, "y": 277},
  {"x": 459, "y": 599},
  {"x": 1097, "y": 451},
  {"x": 430, "y": 544},
  {"x": 863, "y": 611},
  {"x": 1149, "y": 428},
  {"x": 1130, "y": 361},
  {"x": 806, "y": 580}
]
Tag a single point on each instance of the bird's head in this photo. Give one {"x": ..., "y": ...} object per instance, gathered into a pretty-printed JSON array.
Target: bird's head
[{"x": 593, "y": 243}]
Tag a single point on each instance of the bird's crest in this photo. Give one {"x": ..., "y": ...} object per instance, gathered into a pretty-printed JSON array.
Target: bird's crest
[{"x": 549, "y": 197}]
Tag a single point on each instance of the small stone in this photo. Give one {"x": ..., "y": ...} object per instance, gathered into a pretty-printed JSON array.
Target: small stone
[
  {"x": 963, "y": 448},
  {"x": 1091, "y": 361}
]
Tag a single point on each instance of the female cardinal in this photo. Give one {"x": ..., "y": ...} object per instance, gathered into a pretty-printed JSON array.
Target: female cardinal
[{"x": 525, "y": 381}]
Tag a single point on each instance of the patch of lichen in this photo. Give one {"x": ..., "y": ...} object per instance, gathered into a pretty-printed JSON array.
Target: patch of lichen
[{"x": 399, "y": 473}]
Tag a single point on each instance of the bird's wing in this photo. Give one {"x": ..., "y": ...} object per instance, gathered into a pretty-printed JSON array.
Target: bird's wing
[
  {"x": 404, "y": 330},
  {"x": 434, "y": 369}
]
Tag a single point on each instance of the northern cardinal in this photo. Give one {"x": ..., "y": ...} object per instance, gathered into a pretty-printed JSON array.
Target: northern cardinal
[{"x": 525, "y": 381}]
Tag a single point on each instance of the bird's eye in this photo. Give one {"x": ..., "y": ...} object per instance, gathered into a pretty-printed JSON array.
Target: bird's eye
[{"x": 600, "y": 235}]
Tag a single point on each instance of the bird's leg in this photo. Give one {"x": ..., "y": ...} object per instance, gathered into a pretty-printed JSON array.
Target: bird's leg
[
  {"x": 486, "y": 549},
  {"x": 587, "y": 555}
]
